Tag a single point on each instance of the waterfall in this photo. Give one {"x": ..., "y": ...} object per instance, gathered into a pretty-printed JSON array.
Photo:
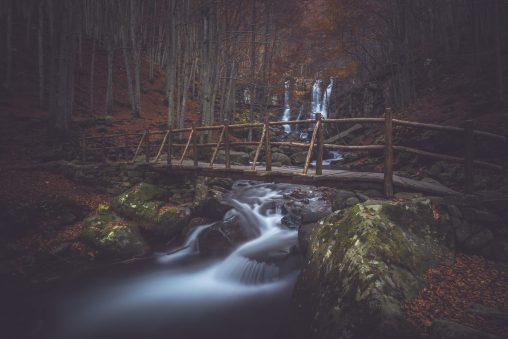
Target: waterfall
[
  {"x": 320, "y": 101},
  {"x": 315, "y": 104},
  {"x": 326, "y": 99},
  {"x": 287, "y": 108}
]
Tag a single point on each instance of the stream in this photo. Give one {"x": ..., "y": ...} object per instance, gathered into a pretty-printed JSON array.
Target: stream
[{"x": 182, "y": 294}]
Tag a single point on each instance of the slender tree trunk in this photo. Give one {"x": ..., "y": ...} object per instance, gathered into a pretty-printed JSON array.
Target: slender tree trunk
[
  {"x": 252, "y": 66},
  {"x": 92, "y": 77},
  {"x": 499, "y": 52},
  {"x": 109, "y": 88},
  {"x": 136, "y": 53},
  {"x": 41, "y": 54},
  {"x": 128, "y": 71},
  {"x": 8, "y": 50},
  {"x": 171, "y": 65}
]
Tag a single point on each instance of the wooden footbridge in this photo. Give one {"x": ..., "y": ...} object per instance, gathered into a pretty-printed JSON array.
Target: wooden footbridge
[{"x": 178, "y": 151}]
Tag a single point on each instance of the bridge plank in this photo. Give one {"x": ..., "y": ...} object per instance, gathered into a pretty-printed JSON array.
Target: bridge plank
[{"x": 292, "y": 174}]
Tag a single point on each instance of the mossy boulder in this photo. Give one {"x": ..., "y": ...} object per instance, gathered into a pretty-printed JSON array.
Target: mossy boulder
[
  {"x": 144, "y": 204},
  {"x": 112, "y": 235},
  {"x": 141, "y": 202},
  {"x": 364, "y": 264},
  {"x": 281, "y": 158},
  {"x": 299, "y": 158}
]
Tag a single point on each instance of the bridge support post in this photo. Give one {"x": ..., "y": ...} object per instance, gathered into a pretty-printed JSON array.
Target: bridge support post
[
  {"x": 388, "y": 168},
  {"x": 169, "y": 144},
  {"x": 268, "y": 148},
  {"x": 469, "y": 156},
  {"x": 320, "y": 142},
  {"x": 194, "y": 145},
  {"x": 147, "y": 146},
  {"x": 227, "y": 160}
]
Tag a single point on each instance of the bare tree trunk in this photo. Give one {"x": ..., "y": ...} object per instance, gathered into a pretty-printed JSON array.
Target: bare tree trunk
[
  {"x": 136, "y": 53},
  {"x": 171, "y": 65},
  {"x": 128, "y": 71},
  {"x": 109, "y": 88},
  {"x": 500, "y": 70},
  {"x": 92, "y": 77},
  {"x": 8, "y": 50},
  {"x": 252, "y": 67},
  {"x": 41, "y": 54}
]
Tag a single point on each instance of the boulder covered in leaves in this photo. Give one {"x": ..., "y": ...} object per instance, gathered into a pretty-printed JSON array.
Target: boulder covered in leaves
[
  {"x": 364, "y": 264},
  {"x": 111, "y": 235}
]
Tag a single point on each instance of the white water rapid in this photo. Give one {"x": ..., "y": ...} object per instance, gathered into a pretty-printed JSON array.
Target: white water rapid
[{"x": 181, "y": 294}]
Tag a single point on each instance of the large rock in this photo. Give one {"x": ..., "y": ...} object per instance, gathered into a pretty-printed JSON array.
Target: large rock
[
  {"x": 364, "y": 264},
  {"x": 236, "y": 158},
  {"x": 281, "y": 158},
  {"x": 141, "y": 202},
  {"x": 305, "y": 205},
  {"x": 223, "y": 236},
  {"x": 299, "y": 158},
  {"x": 145, "y": 205},
  {"x": 112, "y": 235},
  {"x": 209, "y": 198}
]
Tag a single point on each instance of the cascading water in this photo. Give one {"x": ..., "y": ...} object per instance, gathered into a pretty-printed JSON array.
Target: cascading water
[
  {"x": 320, "y": 101},
  {"x": 287, "y": 108},
  {"x": 181, "y": 294}
]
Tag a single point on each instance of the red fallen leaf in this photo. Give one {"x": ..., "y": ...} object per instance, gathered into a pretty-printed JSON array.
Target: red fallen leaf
[{"x": 469, "y": 279}]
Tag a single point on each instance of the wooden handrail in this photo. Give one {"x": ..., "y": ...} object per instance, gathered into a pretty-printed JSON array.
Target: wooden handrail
[
  {"x": 354, "y": 120},
  {"x": 440, "y": 156},
  {"x": 447, "y": 129},
  {"x": 252, "y": 125},
  {"x": 292, "y": 122},
  {"x": 316, "y": 143}
]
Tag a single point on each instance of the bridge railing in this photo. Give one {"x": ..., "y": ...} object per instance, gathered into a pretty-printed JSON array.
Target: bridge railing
[{"x": 225, "y": 140}]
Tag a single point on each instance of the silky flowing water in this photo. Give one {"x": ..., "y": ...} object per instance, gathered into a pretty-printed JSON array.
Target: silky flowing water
[{"x": 182, "y": 294}]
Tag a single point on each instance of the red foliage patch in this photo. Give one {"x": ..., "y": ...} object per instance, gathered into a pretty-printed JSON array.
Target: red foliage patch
[{"x": 451, "y": 289}]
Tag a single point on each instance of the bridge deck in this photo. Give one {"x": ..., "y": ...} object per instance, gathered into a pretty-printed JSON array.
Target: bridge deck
[{"x": 293, "y": 174}]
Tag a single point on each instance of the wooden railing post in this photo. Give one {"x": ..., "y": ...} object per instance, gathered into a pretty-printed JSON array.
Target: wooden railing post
[
  {"x": 194, "y": 145},
  {"x": 312, "y": 144},
  {"x": 227, "y": 160},
  {"x": 169, "y": 145},
  {"x": 320, "y": 142},
  {"x": 147, "y": 146},
  {"x": 469, "y": 156},
  {"x": 388, "y": 170},
  {"x": 268, "y": 149}
]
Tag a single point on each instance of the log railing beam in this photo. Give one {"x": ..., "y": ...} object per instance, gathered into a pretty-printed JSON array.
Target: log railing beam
[{"x": 388, "y": 168}]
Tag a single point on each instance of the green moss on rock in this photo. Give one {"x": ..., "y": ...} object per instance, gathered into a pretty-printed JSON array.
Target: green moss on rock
[
  {"x": 365, "y": 263},
  {"x": 112, "y": 235}
]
